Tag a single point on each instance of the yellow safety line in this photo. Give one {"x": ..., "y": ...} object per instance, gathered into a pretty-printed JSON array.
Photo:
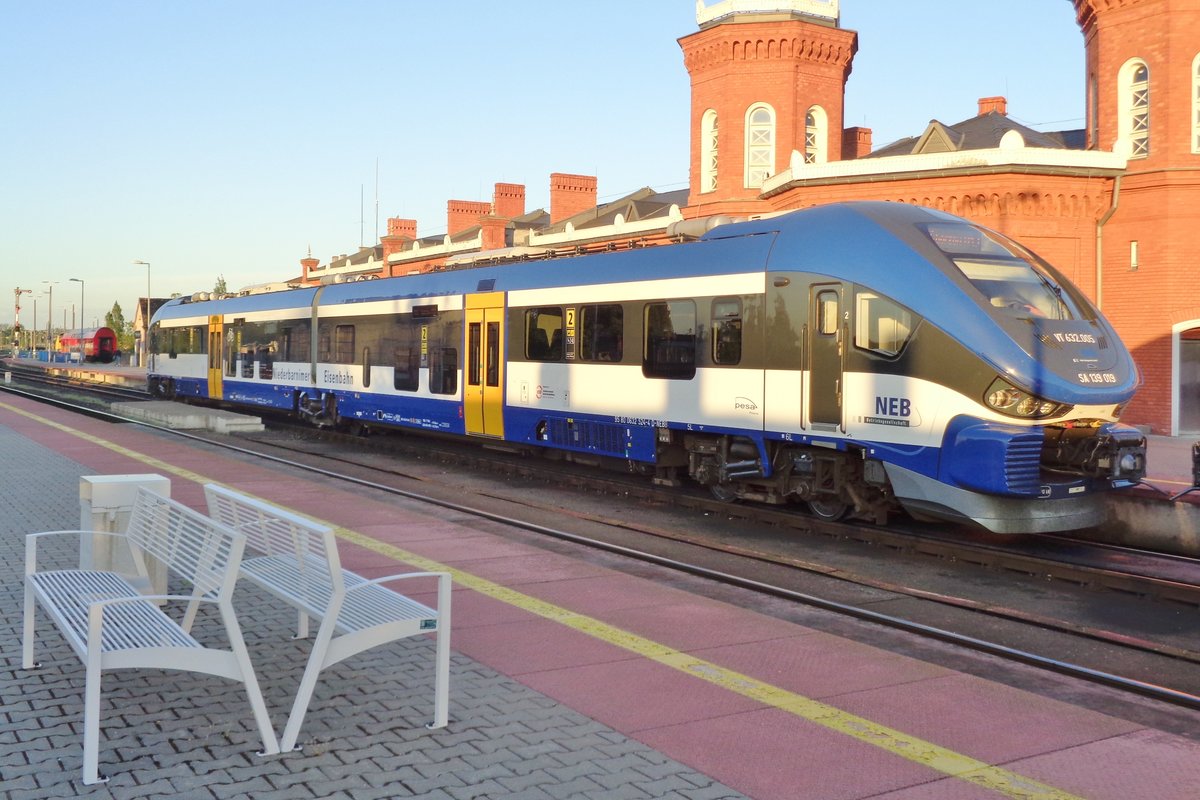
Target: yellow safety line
[{"x": 931, "y": 755}]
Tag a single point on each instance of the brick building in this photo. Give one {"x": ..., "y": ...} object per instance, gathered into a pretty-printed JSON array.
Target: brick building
[{"x": 1115, "y": 206}]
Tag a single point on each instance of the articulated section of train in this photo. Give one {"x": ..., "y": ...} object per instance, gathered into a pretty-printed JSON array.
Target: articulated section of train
[{"x": 859, "y": 358}]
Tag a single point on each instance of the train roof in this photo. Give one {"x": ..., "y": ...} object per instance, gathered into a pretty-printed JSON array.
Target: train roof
[
  {"x": 878, "y": 245},
  {"x": 89, "y": 333}
]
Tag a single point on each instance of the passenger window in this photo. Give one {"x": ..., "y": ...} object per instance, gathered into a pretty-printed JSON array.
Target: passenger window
[
  {"x": 727, "y": 330},
  {"x": 544, "y": 334},
  {"x": 670, "y": 340},
  {"x": 827, "y": 312},
  {"x": 881, "y": 325},
  {"x": 344, "y": 342},
  {"x": 443, "y": 370},
  {"x": 602, "y": 335},
  {"x": 233, "y": 342},
  {"x": 406, "y": 358}
]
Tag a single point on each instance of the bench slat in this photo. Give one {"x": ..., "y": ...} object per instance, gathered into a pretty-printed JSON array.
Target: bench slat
[{"x": 69, "y": 593}]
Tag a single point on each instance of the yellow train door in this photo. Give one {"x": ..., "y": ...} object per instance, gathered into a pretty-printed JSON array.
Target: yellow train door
[
  {"x": 483, "y": 392},
  {"x": 216, "y": 346}
]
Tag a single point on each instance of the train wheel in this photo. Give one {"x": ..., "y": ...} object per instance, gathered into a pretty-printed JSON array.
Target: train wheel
[
  {"x": 828, "y": 509},
  {"x": 723, "y": 492}
]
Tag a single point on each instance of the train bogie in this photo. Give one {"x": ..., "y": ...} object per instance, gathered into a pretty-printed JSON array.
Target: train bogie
[{"x": 856, "y": 358}]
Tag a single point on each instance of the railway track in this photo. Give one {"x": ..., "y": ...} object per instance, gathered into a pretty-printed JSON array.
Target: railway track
[
  {"x": 774, "y": 554},
  {"x": 31, "y": 378}
]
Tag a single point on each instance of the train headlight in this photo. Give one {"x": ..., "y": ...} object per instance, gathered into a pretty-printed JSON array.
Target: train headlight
[{"x": 1008, "y": 399}]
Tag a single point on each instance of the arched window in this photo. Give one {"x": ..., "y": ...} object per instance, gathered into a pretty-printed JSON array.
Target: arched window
[
  {"x": 708, "y": 151},
  {"x": 1093, "y": 125},
  {"x": 1134, "y": 107},
  {"x": 1196, "y": 104},
  {"x": 816, "y": 136},
  {"x": 760, "y": 144}
]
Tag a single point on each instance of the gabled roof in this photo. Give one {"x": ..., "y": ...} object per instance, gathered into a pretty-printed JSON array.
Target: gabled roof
[
  {"x": 983, "y": 132},
  {"x": 643, "y": 204}
]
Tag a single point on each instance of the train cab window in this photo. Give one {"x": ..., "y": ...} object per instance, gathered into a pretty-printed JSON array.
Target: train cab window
[
  {"x": 1012, "y": 281},
  {"x": 343, "y": 336},
  {"x": 669, "y": 348},
  {"x": 727, "y": 330},
  {"x": 602, "y": 333},
  {"x": 827, "y": 312},
  {"x": 881, "y": 325},
  {"x": 544, "y": 334}
]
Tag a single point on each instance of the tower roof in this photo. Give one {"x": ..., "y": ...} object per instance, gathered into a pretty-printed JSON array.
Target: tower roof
[{"x": 708, "y": 14}]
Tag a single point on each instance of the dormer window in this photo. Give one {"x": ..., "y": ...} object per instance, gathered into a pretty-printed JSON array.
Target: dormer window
[{"x": 760, "y": 144}]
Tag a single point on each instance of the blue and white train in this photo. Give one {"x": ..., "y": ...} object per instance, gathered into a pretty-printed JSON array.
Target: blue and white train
[{"x": 856, "y": 357}]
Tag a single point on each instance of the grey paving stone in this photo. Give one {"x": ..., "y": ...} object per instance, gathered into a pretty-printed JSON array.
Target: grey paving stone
[{"x": 177, "y": 735}]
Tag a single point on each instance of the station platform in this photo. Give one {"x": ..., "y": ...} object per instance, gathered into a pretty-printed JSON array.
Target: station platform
[{"x": 573, "y": 675}]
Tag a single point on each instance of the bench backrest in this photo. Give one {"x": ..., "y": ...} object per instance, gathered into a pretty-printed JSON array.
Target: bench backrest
[
  {"x": 202, "y": 551},
  {"x": 273, "y": 531}
]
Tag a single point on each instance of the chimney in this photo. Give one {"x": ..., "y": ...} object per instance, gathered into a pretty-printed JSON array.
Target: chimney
[
  {"x": 508, "y": 200},
  {"x": 402, "y": 227},
  {"x": 400, "y": 233},
  {"x": 462, "y": 214},
  {"x": 997, "y": 104},
  {"x": 493, "y": 230},
  {"x": 856, "y": 142},
  {"x": 570, "y": 194}
]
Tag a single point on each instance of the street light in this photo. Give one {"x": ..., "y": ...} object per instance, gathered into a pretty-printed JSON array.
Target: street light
[
  {"x": 49, "y": 317},
  {"x": 145, "y": 346},
  {"x": 80, "y": 282}
]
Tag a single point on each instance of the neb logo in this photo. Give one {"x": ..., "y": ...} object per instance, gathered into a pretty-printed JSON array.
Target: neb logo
[{"x": 893, "y": 406}]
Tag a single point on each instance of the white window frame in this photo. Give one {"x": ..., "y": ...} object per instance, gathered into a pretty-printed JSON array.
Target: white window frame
[
  {"x": 1133, "y": 108},
  {"x": 709, "y": 150},
  {"x": 816, "y": 136},
  {"x": 760, "y": 145},
  {"x": 1196, "y": 104}
]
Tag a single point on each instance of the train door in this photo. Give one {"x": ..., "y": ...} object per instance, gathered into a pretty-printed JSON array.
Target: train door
[
  {"x": 483, "y": 392},
  {"x": 826, "y": 341},
  {"x": 216, "y": 346}
]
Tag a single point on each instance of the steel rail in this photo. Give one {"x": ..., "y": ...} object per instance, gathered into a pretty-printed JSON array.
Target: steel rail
[{"x": 1079, "y": 672}]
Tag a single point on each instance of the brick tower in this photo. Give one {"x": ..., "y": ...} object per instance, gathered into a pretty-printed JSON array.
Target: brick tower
[
  {"x": 768, "y": 77},
  {"x": 1143, "y": 101}
]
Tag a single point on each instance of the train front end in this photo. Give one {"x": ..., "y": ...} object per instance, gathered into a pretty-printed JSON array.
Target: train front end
[{"x": 1044, "y": 443}]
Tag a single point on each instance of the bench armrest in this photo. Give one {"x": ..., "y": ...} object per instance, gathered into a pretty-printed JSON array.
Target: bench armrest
[
  {"x": 31, "y": 541},
  {"x": 443, "y": 577},
  {"x": 399, "y": 577}
]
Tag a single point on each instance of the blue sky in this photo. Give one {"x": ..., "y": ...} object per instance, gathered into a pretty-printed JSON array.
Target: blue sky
[{"x": 227, "y": 137}]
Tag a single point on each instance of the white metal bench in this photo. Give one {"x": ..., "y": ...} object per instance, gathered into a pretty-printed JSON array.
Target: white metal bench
[
  {"x": 111, "y": 625},
  {"x": 296, "y": 560}
]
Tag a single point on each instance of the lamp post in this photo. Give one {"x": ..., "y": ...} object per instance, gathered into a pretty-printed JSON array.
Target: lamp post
[
  {"x": 80, "y": 282},
  {"x": 49, "y": 317},
  {"x": 145, "y": 346}
]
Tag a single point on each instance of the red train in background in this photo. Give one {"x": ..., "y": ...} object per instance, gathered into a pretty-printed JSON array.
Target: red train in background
[{"x": 99, "y": 344}]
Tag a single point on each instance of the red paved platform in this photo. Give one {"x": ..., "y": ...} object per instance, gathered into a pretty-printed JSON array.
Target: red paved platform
[{"x": 768, "y": 707}]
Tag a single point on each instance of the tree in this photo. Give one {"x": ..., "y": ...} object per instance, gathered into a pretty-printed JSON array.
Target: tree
[
  {"x": 220, "y": 288},
  {"x": 115, "y": 319}
]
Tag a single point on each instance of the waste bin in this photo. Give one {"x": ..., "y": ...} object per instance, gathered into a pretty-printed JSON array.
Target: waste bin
[{"x": 105, "y": 503}]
